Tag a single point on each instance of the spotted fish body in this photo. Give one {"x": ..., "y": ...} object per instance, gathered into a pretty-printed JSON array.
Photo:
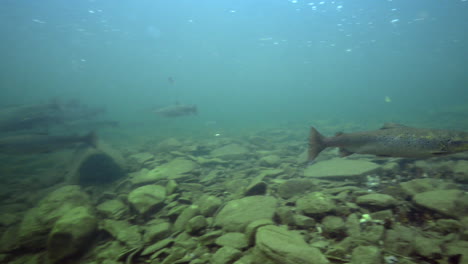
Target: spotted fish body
[{"x": 392, "y": 140}]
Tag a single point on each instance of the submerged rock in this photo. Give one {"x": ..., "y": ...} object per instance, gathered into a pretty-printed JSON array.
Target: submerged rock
[
  {"x": 452, "y": 203},
  {"x": 71, "y": 234},
  {"x": 230, "y": 152},
  {"x": 147, "y": 197},
  {"x": 315, "y": 203},
  {"x": 237, "y": 214},
  {"x": 286, "y": 247},
  {"x": 340, "y": 168}
]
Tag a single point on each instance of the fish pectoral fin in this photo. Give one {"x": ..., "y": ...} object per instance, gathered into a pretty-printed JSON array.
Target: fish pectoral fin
[{"x": 344, "y": 153}]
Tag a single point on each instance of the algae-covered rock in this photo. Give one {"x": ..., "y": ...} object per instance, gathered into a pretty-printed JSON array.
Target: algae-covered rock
[
  {"x": 123, "y": 232},
  {"x": 366, "y": 255},
  {"x": 286, "y": 247},
  {"x": 230, "y": 152},
  {"x": 114, "y": 209},
  {"x": 237, "y": 214},
  {"x": 226, "y": 255},
  {"x": 233, "y": 239},
  {"x": 340, "y": 168},
  {"x": 71, "y": 233},
  {"x": 315, "y": 203},
  {"x": 294, "y": 187},
  {"x": 270, "y": 161},
  {"x": 377, "y": 200},
  {"x": 208, "y": 204},
  {"x": 447, "y": 202},
  {"x": 37, "y": 222},
  {"x": 147, "y": 197}
]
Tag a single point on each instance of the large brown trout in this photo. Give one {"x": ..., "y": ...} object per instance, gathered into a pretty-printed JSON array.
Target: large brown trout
[{"x": 392, "y": 140}]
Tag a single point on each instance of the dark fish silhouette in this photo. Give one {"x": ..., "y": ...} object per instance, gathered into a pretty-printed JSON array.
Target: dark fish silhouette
[
  {"x": 177, "y": 110},
  {"x": 41, "y": 143},
  {"x": 392, "y": 140}
]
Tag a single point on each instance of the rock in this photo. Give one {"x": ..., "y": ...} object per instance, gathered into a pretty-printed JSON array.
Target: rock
[
  {"x": 123, "y": 232},
  {"x": 142, "y": 157},
  {"x": 452, "y": 203},
  {"x": 208, "y": 205},
  {"x": 114, "y": 209},
  {"x": 177, "y": 168},
  {"x": 294, "y": 187},
  {"x": 71, "y": 233},
  {"x": 230, "y": 152},
  {"x": 340, "y": 168},
  {"x": 256, "y": 188},
  {"x": 315, "y": 203},
  {"x": 157, "y": 232},
  {"x": 170, "y": 144},
  {"x": 171, "y": 187},
  {"x": 237, "y": 214},
  {"x": 187, "y": 214},
  {"x": 147, "y": 198},
  {"x": 285, "y": 215},
  {"x": 196, "y": 224},
  {"x": 428, "y": 247},
  {"x": 333, "y": 225},
  {"x": 251, "y": 229},
  {"x": 366, "y": 255},
  {"x": 373, "y": 233},
  {"x": 270, "y": 161},
  {"x": 38, "y": 221},
  {"x": 377, "y": 200},
  {"x": 424, "y": 185},
  {"x": 233, "y": 239},
  {"x": 226, "y": 255},
  {"x": 286, "y": 247},
  {"x": 304, "y": 222}
]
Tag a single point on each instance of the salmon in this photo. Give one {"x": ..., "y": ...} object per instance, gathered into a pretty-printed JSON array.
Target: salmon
[{"x": 392, "y": 140}]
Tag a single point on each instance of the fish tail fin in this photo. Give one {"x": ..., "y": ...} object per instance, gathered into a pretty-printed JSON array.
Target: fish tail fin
[
  {"x": 91, "y": 139},
  {"x": 316, "y": 144}
]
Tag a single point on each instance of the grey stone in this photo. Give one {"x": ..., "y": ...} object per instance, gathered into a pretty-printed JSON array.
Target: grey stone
[
  {"x": 340, "y": 168},
  {"x": 147, "y": 198},
  {"x": 226, "y": 255},
  {"x": 230, "y": 152},
  {"x": 366, "y": 255},
  {"x": 233, "y": 239},
  {"x": 333, "y": 225},
  {"x": 114, "y": 209},
  {"x": 237, "y": 214},
  {"x": 377, "y": 200},
  {"x": 71, "y": 233},
  {"x": 270, "y": 161},
  {"x": 294, "y": 187},
  {"x": 452, "y": 203},
  {"x": 315, "y": 203},
  {"x": 286, "y": 247},
  {"x": 416, "y": 186},
  {"x": 123, "y": 232},
  {"x": 196, "y": 224},
  {"x": 38, "y": 221},
  {"x": 187, "y": 214},
  {"x": 157, "y": 232},
  {"x": 208, "y": 205}
]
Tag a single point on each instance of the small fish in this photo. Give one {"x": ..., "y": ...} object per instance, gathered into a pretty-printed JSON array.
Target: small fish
[
  {"x": 392, "y": 140},
  {"x": 42, "y": 143},
  {"x": 177, "y": 110}
]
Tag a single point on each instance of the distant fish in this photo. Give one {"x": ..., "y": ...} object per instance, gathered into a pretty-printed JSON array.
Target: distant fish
[
  {"x": 170, "y": 80},
  {"x": 42, "y": 143},
  {"x": 177, "y": 110},
  {"x": 392, "y": 140}
]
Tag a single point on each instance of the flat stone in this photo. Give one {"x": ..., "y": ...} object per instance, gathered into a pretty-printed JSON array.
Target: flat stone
[
  {"x": 233, "y": 239},
  {"x": 142, "y": 157},
  {"x": 230, "y": 152},
  {"x": 237, "y": 214},
  {"x": 114, "y": 209},
  {"x": 452, "y": 203},
  {"x": 340, "y": 168},
  {"x": 286, "y": 247},
  {"x": 377, "y": 200},
  {"x": 147, "y": 197},
  {"x": 315, "y": 203}
]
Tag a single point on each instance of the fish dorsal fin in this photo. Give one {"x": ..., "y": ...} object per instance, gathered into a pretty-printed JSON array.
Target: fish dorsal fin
[{"x": 392, "y": 125}]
